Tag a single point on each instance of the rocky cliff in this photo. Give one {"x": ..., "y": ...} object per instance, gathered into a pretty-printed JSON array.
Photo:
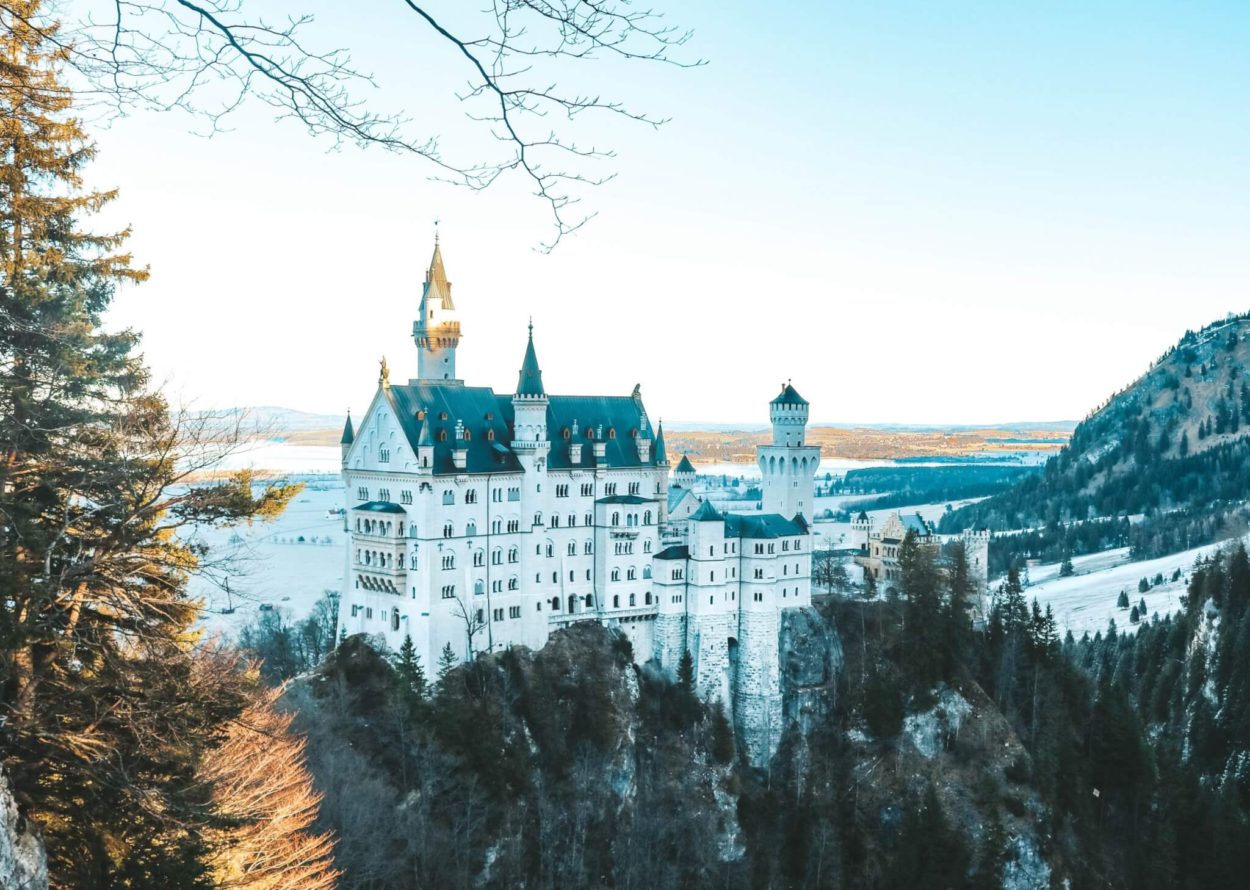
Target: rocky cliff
[{"x": 23, "y": 865}]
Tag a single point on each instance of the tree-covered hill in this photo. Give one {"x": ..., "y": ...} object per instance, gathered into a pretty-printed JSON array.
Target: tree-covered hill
[{"x": 1173, "y": 446}]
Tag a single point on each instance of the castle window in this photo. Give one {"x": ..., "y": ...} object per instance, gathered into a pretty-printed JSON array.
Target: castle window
[
  {"x": 405, "y": 496},
  {"x": 362, "y": 493},
  {"x": 479, "y": 558},
  {"x": 590, "y": 601},
  {"x": 633, "y": 598},
  {"x": 646, "y": 570},
  {"x": 538, "y": 519},
  {"x": 610, "y": 489},
  {"x": 611, "y": 432},
  {"x": 449, "y": 591},
  {"x": 646, "y": 546},
  {"x": 467, "y": 434},
  {"x": 490, "y": 435},
  {"x": 572, "y": 548},
  {"x": 448, "y": 531},
  {"x": 646, "y": 518},
  {"x": 449, "y": 561},
  {"x": 646, "y": 598},
  {"x": 470, "y": 496},
  {"x": 470, "y": 528},
  {"x": 442, "y": 415},
  {"x": 513, "y": 554},
  {"x": 449, "y": 497},
  {"x": 384, "y": 457},
  {"x": 616, "y": 601},
  {"x": 631, "y": 574},
  {"x": 496, "y": 557},
  {"x": 555, "y": 520},
  {"x": 566, "y": 433},
  {"x": 562, "y": 491},
  {"x": 514, "y": 611},
  {"x": 759, "y": 574},
  {"x": 616, "y": 574},
  {"x": 588, "y": 547},
  {"x": 420, "y": 414},
  {"x": 479, "y": 587},
  {"x": 555, "y": 604},
  {"x": 513, "y": 583},
  {"x": 589, "y": 519},
  {"x": 442, "y": 435},
  {"x": 634, "y": 487}
]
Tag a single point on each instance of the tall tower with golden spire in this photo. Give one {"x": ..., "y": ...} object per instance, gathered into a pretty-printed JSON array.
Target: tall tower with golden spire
[{"x": 437, "y": 329}]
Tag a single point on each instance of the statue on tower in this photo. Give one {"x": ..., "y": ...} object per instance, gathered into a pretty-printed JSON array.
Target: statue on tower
[{"x": 384, "y": 373}]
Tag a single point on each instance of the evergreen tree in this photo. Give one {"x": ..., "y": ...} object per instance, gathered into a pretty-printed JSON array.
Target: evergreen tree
[
  {"x": 447, "y": 662},
  {"x": 105, "y": 713},
  {"x": 410, "y": 672},
  {"x": 1065, "y": 568},
  {"x": 722, "y": 735},
  {"x": 1122, "y": 600}
]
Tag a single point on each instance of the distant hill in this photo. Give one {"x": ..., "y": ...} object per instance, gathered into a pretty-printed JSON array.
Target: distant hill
[{"x": 1173, "y": 446}]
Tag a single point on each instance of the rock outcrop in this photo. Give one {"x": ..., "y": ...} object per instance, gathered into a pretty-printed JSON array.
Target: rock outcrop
[{"x": 23, "y": 863}]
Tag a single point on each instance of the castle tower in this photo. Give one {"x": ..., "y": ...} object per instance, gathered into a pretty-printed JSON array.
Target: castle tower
[
  {"x": 787, "y": 466},
  {"x": 684, "y": 474},
  {"x": 437, "y": 331},
  {"x": 861, "y": 527},
  {"x": 711, "y": 612},
  {"x": 529, "y": 409}
]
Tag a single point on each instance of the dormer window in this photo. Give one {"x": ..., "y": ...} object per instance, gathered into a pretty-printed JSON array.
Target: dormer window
[
  {"x": 442, "y": 415},
  {"x": 467, "y": 435},
  {"x": 442, "y": 435},
  {"x": 590, "y": 432},
  {"x": 490, "y": 435},
  {"x": 490, "y": 415},
  {"x": 567, "y": 434},
  {"x": 420, "y": 414},
  {"x": 611, "y": 432}
]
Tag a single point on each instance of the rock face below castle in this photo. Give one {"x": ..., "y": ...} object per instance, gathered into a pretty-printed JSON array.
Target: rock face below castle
[
  {"x": 23, "y": 862},
  {"x": 479, "y": 520}
]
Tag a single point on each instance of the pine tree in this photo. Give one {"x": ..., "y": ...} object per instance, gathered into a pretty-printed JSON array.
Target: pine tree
[
  {"x": 104, "y": 715},
  {"x": 685, "y": 672},
  {"x": 1134, "y": 616},
  {"x": 1122, "y": 601},
  {"x": 447, "y": 662},
  {"x": 410, "y": 672},
  {"x": 722, "y": 735},
  {"x": 1066, "y": 569}
]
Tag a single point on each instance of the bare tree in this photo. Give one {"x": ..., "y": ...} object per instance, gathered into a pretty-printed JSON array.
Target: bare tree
[
  {"x": 210, "y": 57},
  {"x": 474, "y": 623}
]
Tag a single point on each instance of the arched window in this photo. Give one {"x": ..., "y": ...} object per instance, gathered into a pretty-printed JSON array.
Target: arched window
[
  {"x": 616, "y": 574},
  {"x": 442, "y": 435},
  {"x": 646, "y": 572},
  {"x": 633, "y": 599},
  {"x": 631, "y": 573},
  {"x": 479, "y": 586},
  {"x": 646, "y": 518},
  {"x": 646, "y": 546},
  {"x": 479, "y": 558},
  {"x": 555, "y": 604},
  {"x": 616, "y": 601},
  {"x": 590, "y": 601},
  {"x": 572, "y": 604},
  {"x": 646, "y": 598},
  {"x": 572, "y": 548},
  {"x": 471, "y": 528},
  {"x": 611, "y": 432},
  {"x": 513, "y": 583},
  {"x": 449, "y": 497}
]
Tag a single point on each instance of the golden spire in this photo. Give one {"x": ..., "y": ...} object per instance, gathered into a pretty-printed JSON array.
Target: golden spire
[
  {"x": 436, "y": 283},
  {"x": 384, "y": 374}
]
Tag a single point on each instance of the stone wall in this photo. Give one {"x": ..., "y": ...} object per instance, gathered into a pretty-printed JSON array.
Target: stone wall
[{"x": 758, "y": 706}]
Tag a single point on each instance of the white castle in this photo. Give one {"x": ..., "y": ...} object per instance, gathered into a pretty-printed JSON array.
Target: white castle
[{"x": 478, "y": 521}]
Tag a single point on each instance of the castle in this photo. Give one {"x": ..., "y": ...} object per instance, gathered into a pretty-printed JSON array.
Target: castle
[
  {"x": 478, "y": 521},
  {"x": 879, "y": 549}
]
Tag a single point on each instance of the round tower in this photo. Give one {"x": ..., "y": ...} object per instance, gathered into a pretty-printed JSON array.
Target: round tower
[
  {"x": 437, "y": 329},
  {"x": 788, "y": 466}
]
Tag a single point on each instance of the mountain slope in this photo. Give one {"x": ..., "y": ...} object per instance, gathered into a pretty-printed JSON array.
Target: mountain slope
[{"x": 1174, "y": 445}]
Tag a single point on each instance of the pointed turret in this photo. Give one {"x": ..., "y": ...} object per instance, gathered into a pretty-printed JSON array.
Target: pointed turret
[
  {"x": 706, "y": 513},
  {"x": 425, "y": 447},
  {"x": 530, "y": 381},
  {"x": 348, "y": 437},
  {"x": 661, "y": 457},
  {"x": 529, "y": 408},
  {"x": 436, "y": 330},
  {"x": 436, "y": 283}
]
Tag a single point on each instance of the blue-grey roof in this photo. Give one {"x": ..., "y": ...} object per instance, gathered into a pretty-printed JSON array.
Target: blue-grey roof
[
  {"x": 488, "y": 417},
  {"x": 761, "y": 525},
  {"x": 530, "y": 381},
  {"x": 660, "y": 456},
  {"x": 675, "y": 495},
  {"x": 706, "y": 513},
  {"x": 379, "y": 507},
  {"x": 349, "y": 435},
  {"x": 677, "y": 551},
  {"x": 789, "y": 396},
  {"x": 916, "y": 524},
  {"x": 625, "y": 499},
  {"x": 685, "y": 466}
]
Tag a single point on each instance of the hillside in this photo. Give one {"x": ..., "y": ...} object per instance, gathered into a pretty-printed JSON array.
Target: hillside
[{"x": 1173, "y": 446}]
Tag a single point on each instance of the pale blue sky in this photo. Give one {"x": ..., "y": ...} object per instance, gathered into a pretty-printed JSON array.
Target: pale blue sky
[{"x": 920, "y": 212}]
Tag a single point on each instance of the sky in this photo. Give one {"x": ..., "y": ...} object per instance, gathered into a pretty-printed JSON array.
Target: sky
[{"x": 919, "y": 212}]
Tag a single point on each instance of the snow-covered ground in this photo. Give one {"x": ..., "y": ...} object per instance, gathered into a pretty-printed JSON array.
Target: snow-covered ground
[
  {"x": 1086, "y": 601},
  {"x": 269, "y": 564}
]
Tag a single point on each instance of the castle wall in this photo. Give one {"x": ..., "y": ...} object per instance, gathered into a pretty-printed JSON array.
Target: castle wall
[{"x": 758, "y": 711}]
